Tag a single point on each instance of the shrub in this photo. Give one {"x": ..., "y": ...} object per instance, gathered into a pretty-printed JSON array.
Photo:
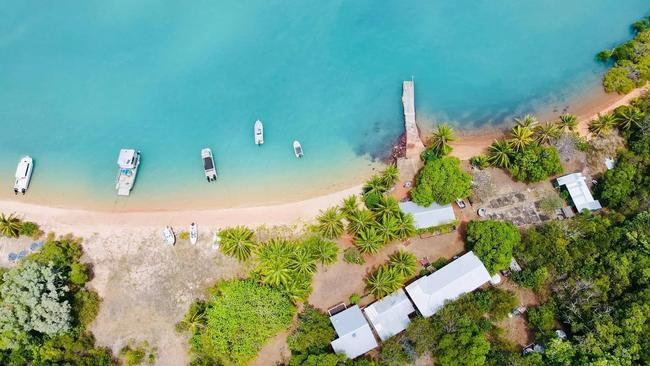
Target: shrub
[
  {"x": 531, "y": 278},
  {"x": 392, "y": 353},
  {"x": 184, "y": 235},
  {"x": 31, "y": 229},
  {"x": 542, "y": 318},
  {"x": 313, "y": 333},
  {"x": 354, "y": 299},
  {"x": 480, "y": 161},
  {"x": 442, "y": 181},
  {"x": 86, "y": 306},
  {"x": 353, "y": 256},
  {"x": 535, "y": 163}
]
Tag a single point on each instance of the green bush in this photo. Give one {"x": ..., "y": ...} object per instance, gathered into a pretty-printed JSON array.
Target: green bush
[
  {"x": 442, "y": 181},
  {"x": 240, "y": 317},
  {"x": 493, "y": 242},
  {"x": 354, "y": 299},
  {"x": 313, "y": 333},
  {"x": 31, "y": 229},
  {"x": 535, "y": 163},
  {"x": 480, "y": 161},
  {"x": 86, "y": 306},
  {"x": 529, "y": 278},
  {"x": 542, "y": 318},
  {"x": 392, "y": 353}
]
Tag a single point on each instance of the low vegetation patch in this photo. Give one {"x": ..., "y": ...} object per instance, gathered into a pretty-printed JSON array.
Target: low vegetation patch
[{"x": 12, "y": 227}]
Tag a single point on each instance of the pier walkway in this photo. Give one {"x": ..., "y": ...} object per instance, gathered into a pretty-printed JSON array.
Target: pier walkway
[{"x": 410, "y": 164}]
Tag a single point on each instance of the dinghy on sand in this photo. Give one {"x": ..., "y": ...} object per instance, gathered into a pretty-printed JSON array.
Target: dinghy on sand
[
  {"x": 194, "y": 233},
  {"x": 170, "y": 237}
]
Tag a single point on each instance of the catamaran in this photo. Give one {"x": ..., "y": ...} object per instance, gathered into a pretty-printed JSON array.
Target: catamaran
[
  {"x": 128, "y": 161},
  {"x": 259, "y": 133},
  {"x": 168, "y": 234},
  {"x": 208, "y": 165},
  {"x": 297, "y": 149},
  {"x": 194, "y": 233},
  {"x": 23, "y": 174}
]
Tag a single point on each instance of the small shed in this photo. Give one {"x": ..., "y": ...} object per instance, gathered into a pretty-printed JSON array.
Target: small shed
[
  {"x": 390, "y": 315},
  {"x": 355, "y": 336},
  {"x": 576, "y": 184},
  {"x": 430, "y": 216}
]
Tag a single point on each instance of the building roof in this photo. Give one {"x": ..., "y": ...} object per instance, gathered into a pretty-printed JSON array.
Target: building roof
[
  {"x": 355, "y": 336},
  {"x": 429, "y": 216},
  {"x": 579, "y": 191},
  {"x": 390, "y": 315},
  {"x": 463, "y": 275}
]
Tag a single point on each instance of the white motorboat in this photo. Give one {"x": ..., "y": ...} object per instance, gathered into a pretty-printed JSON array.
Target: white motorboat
[
  {"x": 297, "y": 149},
  {"x": 208, "y": 165},
  {"x": 259, "y": 133},
  {"x": 128, "y": 162},
  {"x": 170, "y": 237},
  {"x": 23, "y": 174},
  {"x": 194, "y": 233}
]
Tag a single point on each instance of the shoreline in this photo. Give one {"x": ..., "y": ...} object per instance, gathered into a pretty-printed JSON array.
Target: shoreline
[{"x": 88, "y": 221}]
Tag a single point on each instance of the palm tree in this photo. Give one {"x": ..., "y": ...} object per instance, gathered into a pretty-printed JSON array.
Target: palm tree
[
  {"x": 350, "y": 206},
  {"x": 520, "y": 137},
  {"x": 323, "y": 251},
  {"x": 382, "y": 282},
  {"x": 390, "y": 176},
  {"x": 273, "y": 249},
  {"x": 547, "y": 132},
  {"x": 387, "y": 206},
  {"x": 406, "y": 226},
  {"x": 528, "y": 120},
  {"x": 375, "y": 185},
  {"x": 387, "y": 228},
  {"x": 627, "y": 117},
  {"x": 303, "y": 261},
  {"x": 276, "y": 272},
  {"x": 195, "y": 318},
  {"x": 368, "y": 241},
  {"x": 237, "y": 242},
  {"x": 568, "y": 122},
  {"x": 362, "y": 220},
  {"x": 298, "y": 288},
  {"x": 441, "y": 138},
  {"x": 330, "y": 224},
  {"x": 500, "y": 153},
  {"x": 602, "y": 124},
  {"x": 403, "y": 263}
]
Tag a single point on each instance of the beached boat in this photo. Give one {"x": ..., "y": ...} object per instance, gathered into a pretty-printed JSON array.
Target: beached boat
[
  {"x": 128, "y": 162},
  {"x": 23, "y": 174},
  {"x": 208, "y": 165},
  {"x": 168, "y": 234},
  {"x": 259, "y": 133},
  {"x": 194, "y": 233},
  {"x": 297, "y": 149}
]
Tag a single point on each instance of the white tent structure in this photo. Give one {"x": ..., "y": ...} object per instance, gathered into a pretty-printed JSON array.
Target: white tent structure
[
  {"x": 429, "y": 216},
  {"x": 390, "y": 315},
  {"x": 463, "y": 275},
  {"x": 355, "y": 337},
  {"x": 579, "y": 191}
]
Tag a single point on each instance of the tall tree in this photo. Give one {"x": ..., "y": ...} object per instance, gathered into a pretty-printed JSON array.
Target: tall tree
[
  {"x": 237, "y": 242},
  {"x": 547, "y": 132},
  {"x": 493, "y": 242},
  {"x": 330, "y": 223},
  {"x": 383, "y": 281},
  {"x": 360, "y": 221},
  {"x": 390, "y": 176},
  {"x": 369, "y": 241},
  {"x": 441, "y": 138},
  {"x": 520, "y": 137},
  {"x": 568, "y": 122},
  {"x": 406, "y": 226},
  {"x": 9, "y": 225},
  {"x": 500, "y": 153},
  {"x": 528, "y": 120},
  {"x": 442, "y": 181},
  {"x": 350, "y": 206},
  {"x": 403, "y": 263},
  {"x": 601, "y": 125},
  {"x": 627, "y": 117}
]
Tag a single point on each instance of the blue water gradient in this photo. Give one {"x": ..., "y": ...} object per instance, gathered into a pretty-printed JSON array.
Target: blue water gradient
[{"x": 81, "y": 79}]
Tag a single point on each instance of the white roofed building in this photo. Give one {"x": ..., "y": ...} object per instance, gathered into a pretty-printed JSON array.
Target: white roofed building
[
  {"x": 430, "y": 216},
  {"x": 390, "y": 315},
  {"x": 576, "y": 184},
  {"x": 355, "y": 336},
  {"x": 463, "y": 275}
]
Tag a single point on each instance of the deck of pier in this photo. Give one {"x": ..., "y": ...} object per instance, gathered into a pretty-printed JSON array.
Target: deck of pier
[{"x": 409, "y": 165}]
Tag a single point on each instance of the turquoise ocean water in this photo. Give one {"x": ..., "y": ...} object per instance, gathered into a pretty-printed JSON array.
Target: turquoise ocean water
[{"x": 81, "y": 79}]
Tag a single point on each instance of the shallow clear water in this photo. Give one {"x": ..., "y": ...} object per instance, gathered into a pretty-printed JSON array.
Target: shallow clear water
[{"x": 80, "y": 80}]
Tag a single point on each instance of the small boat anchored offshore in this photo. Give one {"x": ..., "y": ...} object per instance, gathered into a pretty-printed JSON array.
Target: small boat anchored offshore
[
  {"x": 168, "y": 234},
  {"x": 23, "y": 174},
  {"x": 297, "y": 149},
  {"x": 259, "y": 133},
  {"x": 194, "y": 233},
  {"x": 128, "y": 161},
  {"x": 208, "y": 165}
]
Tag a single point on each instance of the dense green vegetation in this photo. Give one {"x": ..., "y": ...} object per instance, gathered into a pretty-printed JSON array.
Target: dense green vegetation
[
  {"x": 442, "y": 181},
  {"x": 12, "y": 227},
  {"x": 627, "y": 187},
  {"x": 392, "y": 275},
  {"x": 631, "y": 67},
  {"x": 235, "y": 322},
  {"x": 461, "y": 333},
  {"x": 45, "y": 309},
  {"x": 493, "y": 242}
]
